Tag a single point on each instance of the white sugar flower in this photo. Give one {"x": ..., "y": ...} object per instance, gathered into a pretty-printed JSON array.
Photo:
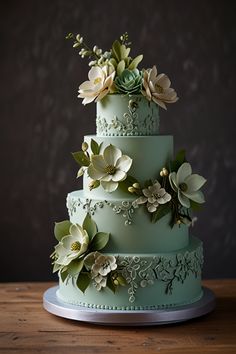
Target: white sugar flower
[
  {"x": 187, "y": 185},
  {"x": 153, "y": 196},
  {"x": 72, "y": 246},
  {"x": 157, "y": 88},
  {"x": 103, "y": 265},
  {"x": 109, "y": 168},
  {"x": 99, "y": 84},
  {"x": 100, "y": 282}
]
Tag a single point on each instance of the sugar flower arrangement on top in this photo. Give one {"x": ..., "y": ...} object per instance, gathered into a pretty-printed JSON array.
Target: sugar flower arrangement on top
[{"x": 116, "y": 72}]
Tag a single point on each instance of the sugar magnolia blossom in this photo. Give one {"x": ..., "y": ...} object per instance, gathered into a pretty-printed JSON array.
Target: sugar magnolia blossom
[
  {"x": 72, "y": 245},
  {"x": 109, "y": 168},
  {"x": 99, "y": 84},
  {"x": 153, "y": 196},
  {"x": 187, "y": 185},
  {"x": 157, "y": 88}
]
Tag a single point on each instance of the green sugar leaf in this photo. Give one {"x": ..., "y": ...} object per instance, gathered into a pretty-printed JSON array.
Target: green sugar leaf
[
  {"x": 179, "y": 160},
  {"x": 119, "y": 51},
  {"x": 56, "y": 267},
  {"x": 83, "y": 281},
  {"x": 124, "y": 52},
  {"x": 61, "y": 229},
  {"x": 81, "y": 158},
  {"x": 90, "y": 226},
  {"x": 110, "y": 284},
  {"x": 113, "y": 62},
  {"x": 148, "y": 183},
  {"x": 99, "y": 148},
  {"x": 180, "y": 157},
  {"x": 99, "y": 241},
  {"x": 195, "y": 206},
  {"x": 134, "y": 63},
  {"x": 75, "y": 267},
  {"x": 89, "y": 260},
  {"x": 95, "y": 147},
  {"x": 120, "y": 67},
  {"x": 64, "y": 274},
  {"x": 161, "y": 211},
  {"x": 116, "y": 50}
]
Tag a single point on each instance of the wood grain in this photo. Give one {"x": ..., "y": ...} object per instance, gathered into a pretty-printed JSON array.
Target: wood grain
[{"x": 25, "y": 327}]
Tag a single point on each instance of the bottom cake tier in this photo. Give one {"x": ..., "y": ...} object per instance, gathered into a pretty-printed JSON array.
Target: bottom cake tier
[{"x": 153, "y": 281}]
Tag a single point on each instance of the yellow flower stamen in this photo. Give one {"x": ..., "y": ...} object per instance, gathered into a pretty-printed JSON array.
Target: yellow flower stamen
[
  {"x": 183, "y": 187},
  {"x": 75, "y": 246},
  {"x": 111, "y": 170},
  {"x": 159, "y": 89},
  {"x": 97, "y": 80}
]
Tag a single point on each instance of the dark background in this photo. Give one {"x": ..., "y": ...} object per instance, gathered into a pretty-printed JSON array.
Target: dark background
[{"x": 42, "y": 120}]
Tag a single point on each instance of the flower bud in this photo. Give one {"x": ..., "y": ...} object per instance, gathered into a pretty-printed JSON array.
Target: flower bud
[
  {"x": 93, "y": 184},
  {"x": 76, "y": 44},
  {"x": 80, "y": 172},
  {"x": 136, "y": 185},
  {"x": 121, "y": 280},
  {"x": 69, "y": 36},
  {"x": 78, "y": 37},
  {"x": 164, "y": 172},
  {"x": 84, "y": 146},
  {"x": 131, "y": 189},
  {"x": 95, "y": 48},
  {"x": 98, "y": 52},
  {"x": 106, "y": 55},
  {"x": 92, "y": 63}
]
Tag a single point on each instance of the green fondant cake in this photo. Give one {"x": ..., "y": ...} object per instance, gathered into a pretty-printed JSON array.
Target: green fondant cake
[{"x": 127, "y": 244}]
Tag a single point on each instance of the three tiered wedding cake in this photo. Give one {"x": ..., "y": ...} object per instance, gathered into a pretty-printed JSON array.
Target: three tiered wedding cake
[{"x": 126, "y": 245}]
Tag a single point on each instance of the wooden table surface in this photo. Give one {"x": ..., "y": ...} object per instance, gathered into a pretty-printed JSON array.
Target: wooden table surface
[{"x": 25, "y": 327}]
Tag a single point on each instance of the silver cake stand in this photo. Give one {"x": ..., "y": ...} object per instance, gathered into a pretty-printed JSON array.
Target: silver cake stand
[{"x": 129, "y": 318}]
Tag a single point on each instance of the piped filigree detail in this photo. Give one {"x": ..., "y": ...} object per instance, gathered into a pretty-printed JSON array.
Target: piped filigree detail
[
  {"x": 130, "y": 125},
  {"x": 140, "y": 272},
  {"x": 71, "y": 204},
  {"x": 125, "y": 208}
]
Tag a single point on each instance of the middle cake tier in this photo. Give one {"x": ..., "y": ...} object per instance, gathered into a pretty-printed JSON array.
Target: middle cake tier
[
  {"x": 130, "y": 228},
  {"x": 149, "y": 155}
]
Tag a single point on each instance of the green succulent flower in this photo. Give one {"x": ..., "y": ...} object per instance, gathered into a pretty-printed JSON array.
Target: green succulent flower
[{"x": 129, "y": 82}]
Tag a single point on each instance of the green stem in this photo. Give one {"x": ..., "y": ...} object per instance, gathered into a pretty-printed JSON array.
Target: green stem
[
  {"x": 89, "y": 49},
  {"x": 164, "y": 182}
]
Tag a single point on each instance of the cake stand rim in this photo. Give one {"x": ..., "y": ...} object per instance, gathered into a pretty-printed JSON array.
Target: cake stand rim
[{"x": 129, "y": 317}]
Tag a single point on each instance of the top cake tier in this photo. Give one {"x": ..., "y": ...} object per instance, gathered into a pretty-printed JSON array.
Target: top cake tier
[{"x": 126, "y": 115}]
